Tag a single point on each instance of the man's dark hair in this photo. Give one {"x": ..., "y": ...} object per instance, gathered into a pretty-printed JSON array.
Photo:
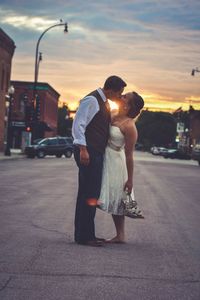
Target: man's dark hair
[{"x": 114, "y": 83}]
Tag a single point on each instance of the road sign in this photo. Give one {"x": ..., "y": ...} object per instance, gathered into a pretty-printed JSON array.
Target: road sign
[
  {"x": 18, "y": 124},
  {"x": 180, "y": 127}
]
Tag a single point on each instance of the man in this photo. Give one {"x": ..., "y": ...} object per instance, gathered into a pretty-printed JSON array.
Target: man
[{"x": 90, "y": 132}]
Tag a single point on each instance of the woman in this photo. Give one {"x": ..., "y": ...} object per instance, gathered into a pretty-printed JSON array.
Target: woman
[{"x": 118, "y": 162}]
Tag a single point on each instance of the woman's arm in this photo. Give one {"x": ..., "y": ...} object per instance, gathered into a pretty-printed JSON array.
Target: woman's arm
[{"x": 130, "y": 133}]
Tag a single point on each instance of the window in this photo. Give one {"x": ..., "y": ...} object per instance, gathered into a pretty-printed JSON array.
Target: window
[
  {"x": 52, "y": 142},
  {"x": 22, "y": 106},
  {"x": 2, "y": 79},
  {"x": 7, "y": 79},
  {"x": 69, "y": 140},
  {"x": 44, "y": 142},
  {"x": 62, "y": 141},
  {"x": 22, "y": 103}
]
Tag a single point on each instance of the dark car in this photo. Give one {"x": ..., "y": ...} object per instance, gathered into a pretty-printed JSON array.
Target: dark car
[
  {"x": 196, "y": 153},
  {"x": 175, "y": 153},
  {"x": 35, "y": 142},
  {"x": 139, "y": 147},
  {"x": 57, "y": 146}
]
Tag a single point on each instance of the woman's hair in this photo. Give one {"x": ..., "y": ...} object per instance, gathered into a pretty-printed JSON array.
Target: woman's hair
[{"x": 136, "y": 103}]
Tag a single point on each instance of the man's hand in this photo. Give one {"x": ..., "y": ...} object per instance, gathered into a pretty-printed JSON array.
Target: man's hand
[{"x": 84, "y": 156}]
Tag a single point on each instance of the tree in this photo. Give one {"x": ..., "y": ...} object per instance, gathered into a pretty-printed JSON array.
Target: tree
[
  {"x": 156, "y": 128},
  {"x": 64, "y": 121}
]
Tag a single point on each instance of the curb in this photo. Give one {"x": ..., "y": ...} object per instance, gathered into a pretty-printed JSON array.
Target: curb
[{"x": 12, "y": 157}]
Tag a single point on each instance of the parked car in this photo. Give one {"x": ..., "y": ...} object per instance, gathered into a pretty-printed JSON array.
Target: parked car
[
  {"x": 139, "y": 147},
  {"x": 175, "y": 153},
  {"x": 35, "y": 142},
  {"x": 57, "y": 146},
  {"x": 158, "y": 150},
  {"x": 196, "y": 153}
]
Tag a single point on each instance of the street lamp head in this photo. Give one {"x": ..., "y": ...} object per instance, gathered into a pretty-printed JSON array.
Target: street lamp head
[
  {"x": 11, "y": 90},
  {"x": 194, "y": 71},
  {"x": 66, "y": 28}
]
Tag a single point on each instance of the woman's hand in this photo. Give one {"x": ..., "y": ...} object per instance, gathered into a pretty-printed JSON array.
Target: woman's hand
[{"x": 128, "y": 186}]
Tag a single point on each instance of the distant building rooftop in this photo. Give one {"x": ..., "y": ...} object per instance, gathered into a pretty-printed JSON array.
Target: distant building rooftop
[
  {"x": 6, "y": 42},
  {"x": 40, "y": 86}
]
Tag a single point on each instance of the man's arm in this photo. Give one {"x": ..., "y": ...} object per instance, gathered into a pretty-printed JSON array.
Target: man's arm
[{"x": 87, "y": 110}]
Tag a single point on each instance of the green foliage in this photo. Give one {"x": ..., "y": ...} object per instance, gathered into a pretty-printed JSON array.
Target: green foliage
[
  {"x": 156, "y": 128},
  {"x": 64, "y": 122}
]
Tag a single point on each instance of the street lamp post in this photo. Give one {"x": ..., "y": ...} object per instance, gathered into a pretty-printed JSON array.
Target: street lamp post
[
  {"x": 38, "y": 58},
  {"x": 11, "y": 91}
]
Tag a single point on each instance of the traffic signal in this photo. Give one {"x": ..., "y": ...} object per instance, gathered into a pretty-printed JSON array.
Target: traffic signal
[{"x": 28, "y": 128}]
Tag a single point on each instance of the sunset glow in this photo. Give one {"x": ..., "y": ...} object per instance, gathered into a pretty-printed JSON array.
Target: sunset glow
[{"x": 153, "y": 46}]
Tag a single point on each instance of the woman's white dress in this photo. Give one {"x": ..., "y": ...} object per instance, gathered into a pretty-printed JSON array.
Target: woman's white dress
[{"x": 114, "y": 174}]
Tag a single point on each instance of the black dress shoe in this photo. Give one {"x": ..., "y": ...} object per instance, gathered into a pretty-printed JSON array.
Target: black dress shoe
[
  {"x": 93, "y": 243},
  {"x": 100, "y": 239}
]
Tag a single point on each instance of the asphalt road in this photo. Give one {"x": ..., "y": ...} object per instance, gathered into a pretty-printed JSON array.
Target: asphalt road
[{"x": 40, "y": 261}]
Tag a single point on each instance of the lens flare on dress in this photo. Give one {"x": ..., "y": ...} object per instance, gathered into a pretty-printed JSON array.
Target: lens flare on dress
[{"x": 92, "y": 202}]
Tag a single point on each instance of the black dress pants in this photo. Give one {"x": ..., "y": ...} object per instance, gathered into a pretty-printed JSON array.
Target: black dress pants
[{"x": 89, "y": 188}]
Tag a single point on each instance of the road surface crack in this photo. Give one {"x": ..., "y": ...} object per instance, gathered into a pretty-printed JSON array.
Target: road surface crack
[{"x": 6, "y": 283}]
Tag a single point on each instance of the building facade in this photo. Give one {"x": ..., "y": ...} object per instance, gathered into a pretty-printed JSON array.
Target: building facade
[
  {"x": 188, "y": 129},
  {"x": 195, "y": 126},
  {"x": 7, "y": 47},
  {"x": 23, "y": 111}
]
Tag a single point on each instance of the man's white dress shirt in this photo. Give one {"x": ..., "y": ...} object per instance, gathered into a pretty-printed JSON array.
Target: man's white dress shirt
[{"x": 88, "y": 108}]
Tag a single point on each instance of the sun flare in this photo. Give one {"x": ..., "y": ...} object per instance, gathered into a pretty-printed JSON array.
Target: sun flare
[{"x": 113, "y": 105}]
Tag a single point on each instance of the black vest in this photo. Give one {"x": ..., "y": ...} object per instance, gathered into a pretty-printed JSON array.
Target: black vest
[{"x": 97, "y": 131}]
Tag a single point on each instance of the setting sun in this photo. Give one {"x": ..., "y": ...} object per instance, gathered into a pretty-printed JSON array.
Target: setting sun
[{"x": 113, "y": 105}]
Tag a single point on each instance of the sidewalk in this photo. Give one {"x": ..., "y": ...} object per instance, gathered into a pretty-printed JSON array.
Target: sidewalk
[
  {"x": 15, "y": 154},
  {"x": 148, "y": 157},
  {"x": 138, "y": 156}
]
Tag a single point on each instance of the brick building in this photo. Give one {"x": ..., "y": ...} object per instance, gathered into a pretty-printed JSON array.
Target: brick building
[
  {"x": 7, "y": 47},
  {"x": 22, "y": 107}
]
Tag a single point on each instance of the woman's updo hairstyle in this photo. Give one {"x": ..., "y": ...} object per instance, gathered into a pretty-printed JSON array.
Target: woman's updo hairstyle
[{"x": 136, "y": 103}]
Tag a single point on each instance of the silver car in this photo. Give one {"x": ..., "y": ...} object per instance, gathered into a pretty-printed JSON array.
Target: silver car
[{"x": 196, "y": 153}]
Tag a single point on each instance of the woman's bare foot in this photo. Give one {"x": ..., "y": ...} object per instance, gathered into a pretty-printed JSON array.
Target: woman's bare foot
[{"x": 116, "y": 240}]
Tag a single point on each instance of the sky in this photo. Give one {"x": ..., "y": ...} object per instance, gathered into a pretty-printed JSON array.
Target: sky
[{"x": 152, "y": 45}]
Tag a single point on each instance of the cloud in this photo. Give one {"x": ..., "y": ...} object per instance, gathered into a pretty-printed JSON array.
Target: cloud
[
  {"x": 154, "y": 45},
  {"x": 35, "y": 23},
  {"x": 25, "y": 21}
]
